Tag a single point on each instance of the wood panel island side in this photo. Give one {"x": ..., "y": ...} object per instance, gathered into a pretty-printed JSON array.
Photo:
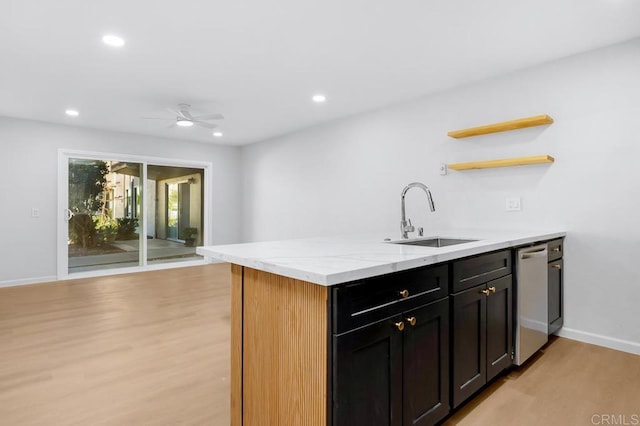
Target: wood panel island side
[{"x": 279, "y": 349}]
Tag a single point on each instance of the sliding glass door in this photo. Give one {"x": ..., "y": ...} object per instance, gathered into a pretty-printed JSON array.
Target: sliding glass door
[
  {"x": 177, "y": 211},
  {"x": 103, "y": 211},
  {"x": 121, "y": 213}
]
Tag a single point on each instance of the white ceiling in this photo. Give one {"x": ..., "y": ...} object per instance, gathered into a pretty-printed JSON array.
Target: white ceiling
[{"x": 259, "y": 62}]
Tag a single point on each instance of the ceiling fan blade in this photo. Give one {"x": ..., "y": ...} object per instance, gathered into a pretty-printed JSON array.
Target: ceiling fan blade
[
  {"x": 205, "y": 124},
  {"x": 177, "y": 113},
  {"x": 209, "y": 117}
]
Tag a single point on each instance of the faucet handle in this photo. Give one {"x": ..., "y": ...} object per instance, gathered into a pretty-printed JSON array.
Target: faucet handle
[{"x": 409, "y": 227}]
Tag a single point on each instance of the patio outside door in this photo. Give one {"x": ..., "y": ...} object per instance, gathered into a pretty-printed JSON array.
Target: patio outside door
[
  {"x": 104, "y": 212},
  {"x": 178, "y": 210},
  {"x": 128, "y": 214}
]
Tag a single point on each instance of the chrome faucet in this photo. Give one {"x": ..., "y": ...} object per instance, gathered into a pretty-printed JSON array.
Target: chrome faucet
[{"x": 405, "y": 224}]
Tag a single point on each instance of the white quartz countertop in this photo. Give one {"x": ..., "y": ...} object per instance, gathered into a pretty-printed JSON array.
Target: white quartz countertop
[{"x": 334, "y": 260}]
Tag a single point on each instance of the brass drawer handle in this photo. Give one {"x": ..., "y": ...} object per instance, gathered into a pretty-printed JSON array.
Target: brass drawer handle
[
  {"x": 556, "y": 249},
  {"x": 485, "y": 292},
  {"x": 492, "y": 289},
  {"x": 404, "y": 293},
  {"x": 400, "y": 325},
  {"x": 556, "y": 266},
  {"x": 412, "y": 321}
]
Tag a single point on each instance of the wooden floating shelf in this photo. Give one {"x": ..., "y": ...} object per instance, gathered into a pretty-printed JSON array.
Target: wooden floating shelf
[
  {"x": 505, "y": 162},
  {"x": 536, "y": 120}
]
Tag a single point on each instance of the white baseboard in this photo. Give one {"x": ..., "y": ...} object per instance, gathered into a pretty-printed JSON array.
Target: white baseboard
[
  {"x": 600, "y": 340},
  {"x": 27, "y": 281}
]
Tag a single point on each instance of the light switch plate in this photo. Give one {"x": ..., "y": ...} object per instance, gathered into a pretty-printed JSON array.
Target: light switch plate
[
  {"x": 513, "y": 204},
  {"x": 443, "y": 169}
]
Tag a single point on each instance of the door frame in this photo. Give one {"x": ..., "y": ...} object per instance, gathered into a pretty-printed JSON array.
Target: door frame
[
  {"x": 62, "y": 252},
  {"x": 178, "y": 183}
]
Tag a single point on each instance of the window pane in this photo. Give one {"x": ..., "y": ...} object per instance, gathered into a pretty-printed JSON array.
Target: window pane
[
  {"x": 104, "y": 230},
  {"x": 174, "y": 213}
]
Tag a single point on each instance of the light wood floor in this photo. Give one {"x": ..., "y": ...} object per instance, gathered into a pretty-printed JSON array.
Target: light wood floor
[
  {"x": 153, "y": 349},
  {"x": 566, "y": 383},
  {"x": 138, "y": 349}
]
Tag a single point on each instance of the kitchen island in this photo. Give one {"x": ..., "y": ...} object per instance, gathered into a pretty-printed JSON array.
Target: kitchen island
[{"x": 303, "y": 309}]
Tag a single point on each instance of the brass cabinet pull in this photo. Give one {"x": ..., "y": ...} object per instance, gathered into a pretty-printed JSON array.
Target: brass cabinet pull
[
  {"x": 556, "y": 249},
  {"x": 400, "y": 325},
  {"x": 412, "y": 321},
  {"x": 492, "y": 289},
  {"x": 485, "y": 292},
  {"x": 556, "y": 266},
  {"x": 404, "y": 293}
]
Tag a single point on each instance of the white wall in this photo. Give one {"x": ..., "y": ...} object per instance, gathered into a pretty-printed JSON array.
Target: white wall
[
  {"x": 346, "y": 177},
  {"x": 28, "y": 179}
]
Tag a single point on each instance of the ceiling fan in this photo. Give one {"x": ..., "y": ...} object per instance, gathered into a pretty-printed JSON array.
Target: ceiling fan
[{"x": 183, "y": 118}]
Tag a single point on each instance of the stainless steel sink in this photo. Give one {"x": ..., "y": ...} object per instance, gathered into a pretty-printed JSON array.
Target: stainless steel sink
[{"x": 433, "y": 242}]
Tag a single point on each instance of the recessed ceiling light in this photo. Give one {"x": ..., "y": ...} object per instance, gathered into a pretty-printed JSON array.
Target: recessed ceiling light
[
  {"x": 113, "y": 40},
  {"x": 184, "y": 123},
  {"x": 217, "y": 134},
  {"x": 72, "y": 113},
  {"x": 319, "y": 98}
]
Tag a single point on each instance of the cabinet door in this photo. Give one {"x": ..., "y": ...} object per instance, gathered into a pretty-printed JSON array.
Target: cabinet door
[
  {"x": 426, "y": 364},
  {"x": 555, "y": 295},
  {"x": 468, "y": 343},
  {"x": 499, "y": 325},
  {"x": 367, "y": 379}
]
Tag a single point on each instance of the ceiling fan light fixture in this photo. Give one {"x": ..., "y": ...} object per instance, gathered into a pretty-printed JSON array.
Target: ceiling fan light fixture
[
  {"x": 319, "y": 98},
  {"x": 184, "y": 123},
  {"x": 217, "y": 134},
  {"x": 113, "y": 40}
]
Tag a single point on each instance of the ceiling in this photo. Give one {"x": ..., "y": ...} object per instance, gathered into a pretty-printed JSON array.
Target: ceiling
[{"x": 259, "y": 63}]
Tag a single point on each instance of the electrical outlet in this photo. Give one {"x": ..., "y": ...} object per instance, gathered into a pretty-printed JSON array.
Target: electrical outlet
[
  {"x": 35, "y": 212},
  {"x": 443, "y": 169},
  {"x": 513, "y": 204}
]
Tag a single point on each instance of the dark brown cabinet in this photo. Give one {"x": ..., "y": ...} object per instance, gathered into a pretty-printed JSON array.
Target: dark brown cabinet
[
  {"x": 481, "y": 269},
  {"x": 556, "y": 288},
  {"x": 365, "y": 302},
  {"x": 499, "y": 326},
  {"x": 468, "y": 343},
  {"x": 482, "y": 325},
  {"x": 395, "y": 371},
  {"x": 555, "y": 249},
  {"x": 403, "y": 353},
  {"x": 425, "y": 369},
  {"x": 367, "y": 381}
]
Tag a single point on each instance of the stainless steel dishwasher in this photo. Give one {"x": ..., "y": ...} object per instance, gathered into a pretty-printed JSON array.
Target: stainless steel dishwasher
[{"x": 532, "y": 301}]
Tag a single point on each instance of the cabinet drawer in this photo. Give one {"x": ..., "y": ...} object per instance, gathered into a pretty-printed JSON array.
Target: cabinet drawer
[
  {"x": 477, "y": 270},
  {"x": 366, "y": 301},
  {"x": 555, "y": 249}
]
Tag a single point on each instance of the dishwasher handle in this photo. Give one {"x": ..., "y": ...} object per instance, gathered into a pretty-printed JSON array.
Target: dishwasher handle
[{"x": 533, "y": 254}]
